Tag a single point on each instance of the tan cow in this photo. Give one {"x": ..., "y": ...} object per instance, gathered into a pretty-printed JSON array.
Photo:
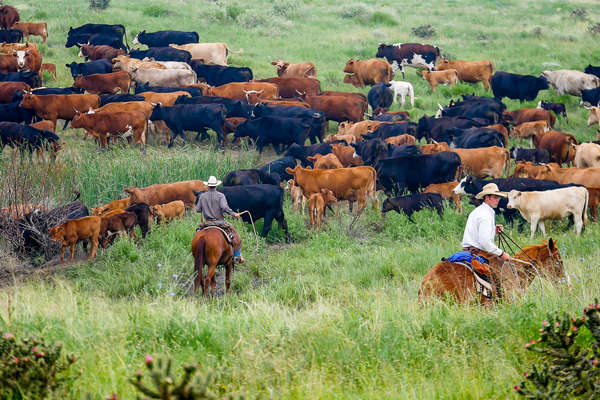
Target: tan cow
[
  {"x": 244, "y": 90},
  {"x": 211, "y": 53},
  {"x": 446, "y": 191},
  {"x": 113, "y": 205},
  {"x": 357, "y": 129},
  {"x": 587, "y": 155},
  {"x": 167, "y": 192},
  {"x": 434, "y": 148},
  {"x": 469, "y": 71},
  {"x": 298, "y": 199},
  {"x": 32, "y": 28},
  {"x": 594, "y": 117},
  {"x": 369, "y": 72},
  {"x": 434, "y": 78},
  {"x": 73, "y": 231},
  {"x": 289, "y": 70},
  {"x": 582, "y": 176},
  {"x": 484, "y": 161},
  {"x": 349, "y": 139},
  {"x": 128, "y": 64},
  {"x": 401, "y": 140},
  {"x": 346, "y": 155},
  {"x": 327, "y": 161},
  {"x": 316, "y": 206},
  {"x": 167, "y": 212},
  {"x": 529, "y": 130}
]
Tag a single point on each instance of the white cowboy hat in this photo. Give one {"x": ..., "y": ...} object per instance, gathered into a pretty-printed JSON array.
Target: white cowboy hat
[
  {"x": 490, "y": 188},
  {"x": 212, "y": 182}
]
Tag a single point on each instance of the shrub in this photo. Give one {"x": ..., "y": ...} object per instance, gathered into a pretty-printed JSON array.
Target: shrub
[
  {"x": 154, "y": 11},
  {"x": 579, "y": 13},
  {"x": 570, "y": 367},
  {"x": 234, "y": 11},
  {"x": 594, "y": 29},
  {"x": 424, "y": 31},
  {"x": 359, "y": 11},
  {"x": 31, "y": 369},
  {"x": 99, "y": 4},
  {"x": 286, "y": 8},
  {"x": 252, "y": 19}
]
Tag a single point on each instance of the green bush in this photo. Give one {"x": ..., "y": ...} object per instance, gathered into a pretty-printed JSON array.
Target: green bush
[
  {"x": 31, "y": 369},
  {"x": 356, "y": 11},
  {"x": 154, "y": 11},
  {"x": 99, "y": 4},
  {"x": 234, "y": 11},
  {"x": 286, "y": 8}
]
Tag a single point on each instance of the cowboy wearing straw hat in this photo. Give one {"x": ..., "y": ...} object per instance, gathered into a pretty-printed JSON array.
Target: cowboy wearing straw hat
[
  {"x": 213, "y": 205},
  {"x": 481, "y": 227}
]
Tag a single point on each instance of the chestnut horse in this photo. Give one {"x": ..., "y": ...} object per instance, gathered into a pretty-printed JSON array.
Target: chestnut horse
[
  {"x": 448, "y": 278},
  {"x": 209, "y": 247}
]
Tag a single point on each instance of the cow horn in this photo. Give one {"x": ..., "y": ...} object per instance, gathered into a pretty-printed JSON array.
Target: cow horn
[
  {"x": 76, "y": 110},
  {"x": 259, "y": 92}
]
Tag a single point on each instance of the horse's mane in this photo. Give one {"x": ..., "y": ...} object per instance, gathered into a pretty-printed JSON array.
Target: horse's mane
[{"x": 527, "y": 249}]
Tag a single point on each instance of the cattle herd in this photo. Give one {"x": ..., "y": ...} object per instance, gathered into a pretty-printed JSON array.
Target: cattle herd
[{"x": 179, "y": 85}]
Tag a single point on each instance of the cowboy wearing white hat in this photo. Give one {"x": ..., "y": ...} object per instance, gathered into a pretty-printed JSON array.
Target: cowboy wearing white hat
[
  {"x": 213, "y": 205},
  {"x": 481, "y": 227}
]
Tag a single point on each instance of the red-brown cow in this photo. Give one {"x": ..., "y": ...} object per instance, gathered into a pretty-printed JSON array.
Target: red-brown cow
[
  {"x": 98, "y": 52},
  {"x": 560, "y": 145},
  {"x": 8, "y": 89},
  {"x": 63, "y": 106},
  {"x": 121, "y": 124},
  {"x": 300, "y": 70},
  {"x": 521, "y": 115},
  {"x": 104, "y": 83},
  {"x": 337, "y": 108},
  {"x": 8, "y": 16},
  {"x": 292, "y": 87},
  {"x": 32, "y": 28}
]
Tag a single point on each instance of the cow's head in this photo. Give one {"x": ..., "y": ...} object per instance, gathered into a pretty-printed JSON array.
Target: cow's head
[
  {"x": 328, "y": 196},
  {"x": 21, "y": 55},
  {"x": 281, "y": 66},
  {"x": 351, "y": 79},
  {"x": 381, "y": 50},
  {"x": 526, "y": 170},
  {"x": 594, "y": 116},
  {"x": 253, "y": 96},
  {"x": 461, "y": 187},
  {"x": 542, "y": 83},
  {"x": 350, "y": 65},
  {"x": 514, "y": 199},
  {"x": 57, "y": 233},
  {"x": 83, "y": 50}
]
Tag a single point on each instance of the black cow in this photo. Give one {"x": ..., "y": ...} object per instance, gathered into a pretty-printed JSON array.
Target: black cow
[
  {"x": 277, "y": 167},
  {"x": 105, "y": 39},
  {"x": 165, "y": 38},
  {"x": 217, "y": 75},
  {"x": 515, "y": 86},
  {"x": 414, "y": 172},
  {"x": 262, "y": 201},
  {"x": 145, "y": 87},
  {"x": 382, "y": 116},
  {"x": 487, "y": 108},
  {"x": 11, "y": 36},
  {"x": 250, "y": 177},
  {"x": 192, "y": 117},
  {"x": 235, "y": 108},
  {"x": 473, "y": 138},
  {"x": 590, "y": 96},
  {"x": 31, "y": 78},
  {"x": 403, "y": 150},
  {"x": 278, "y": 131},
  {"x": 380, "y": 96},
  {"x": 413, "y": 203},
  {"x": 102, "y": 66},
  {"x": 26, "y": 138},
  {"x": 18, "y": 96},
  {"x": 13, "y": 112},
  {"x": 317, "y": 119},
  {"x": 162, "y": 54},
  {"x": 118, "y": 98},
  {"x": 556, "y": 108},
  {"x": 590, "y": 69},
  {"x": 83, "y": 33},
  {"x": 385, "y": 131},
  {"x": 538, "y": 156},
  {"x": 301, "y": 152},
  {"x": 411, "y": 54},
  {"x": 142, "y": 211},
  {"x": 371, "y": 150},
  {"x": 432, "y": 128}
]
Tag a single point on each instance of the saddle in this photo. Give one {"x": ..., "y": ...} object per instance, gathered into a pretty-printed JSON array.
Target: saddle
[
  {"x": 477, "y": 265},
  {"x": 224, "y": 227}
]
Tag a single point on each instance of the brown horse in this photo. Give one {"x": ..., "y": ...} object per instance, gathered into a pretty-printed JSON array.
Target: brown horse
[
  {"x": 453, "y": 279},
  {"x": 209, "y": 247}
]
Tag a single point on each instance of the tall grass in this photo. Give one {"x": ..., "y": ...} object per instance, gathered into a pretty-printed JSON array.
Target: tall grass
[{"x": 334, "y": 313}]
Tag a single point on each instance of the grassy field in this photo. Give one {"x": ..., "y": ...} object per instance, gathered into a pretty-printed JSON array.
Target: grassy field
[{"x": 333, "y": 314}]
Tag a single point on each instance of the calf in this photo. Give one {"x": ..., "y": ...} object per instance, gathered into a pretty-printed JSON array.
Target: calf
[
  {"x": 369, "y": 72},
  {"x": 51, "y": 68},
  {"x": 413, "y": 203},
  {"x": 301, "y": 70},
  {"x": 73, "y": 231},
  {"x": 556, "y": 108},
  {"x": 104, "y": 83},
  {"x": 120, "y": 124},
  {"x": 167, "y": 212},
  {"x": 380, "y": 96},
  {"x": 316, "y": 206},
  {"x": 551, "y": 204},
  {"x": 537, "y": 156},
  {"x": 298, "y": 198},
  {"x": 434, "y": 78},
  {"x": 167, "y": 192},
  {"x": 8, "y": 89},
  {"x": 346, "y": 155},
  {"x": 44, "y": 125},
  {"x": 345, "y": 138},
  {"x": 402, "y": 89},
  {"x": 529, "y": 130},
  {"x": 328, "y": 161},
  {"x": 32, "y": 28},
  {"x": 469, "y": 71},
  {"x": 446, "y": 191},
  {"x": 111, "y": 224},
  {"x": 91, "y": 52},
  {"x": 357, "y": 129},
  {"x": 594, "y": 117},
  {"x": 113, "y": 205},
  {"x": 142, "y": 211},
  {"x": 401, "y": 140}
]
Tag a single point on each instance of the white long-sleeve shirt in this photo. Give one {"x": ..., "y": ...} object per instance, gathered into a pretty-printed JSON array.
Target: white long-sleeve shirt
[{"x": 481, "y": 230}]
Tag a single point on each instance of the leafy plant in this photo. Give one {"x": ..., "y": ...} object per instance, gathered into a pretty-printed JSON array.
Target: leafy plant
[
  {"x": 424, "y": 31},
  {"x": 31, "y": 369},
  {"x": 234, "y": 11},
  {"x": 570, "y": 369},
  {"x": 99, "y": 4},
  {"x": 594, "y": 29}
]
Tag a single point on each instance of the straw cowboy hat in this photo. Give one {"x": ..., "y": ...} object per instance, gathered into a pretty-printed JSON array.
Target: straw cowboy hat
[
  {"x": 213, "y": 182},
  {"x": 490, "y": 188}
]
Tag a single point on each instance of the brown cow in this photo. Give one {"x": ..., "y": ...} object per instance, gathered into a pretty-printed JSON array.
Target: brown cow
[
  {"x": 98, "y": 52},
  {"x": 117, "y": 223},
  {"x": 8, "y": 89},
  {"x": 337, "y": 108},
  {"x": 291, "y": 87},
  {"x": 469, "y": 71},
  {"x": 167, "y": 212},
  {"x": 144, "y": 107},
  {"x": 249, "y": 91},
  {"x": 346, "y": 155},
  {"x": 560, "y": 145},
  {"x": 51, "y": 68},
  {"x": 8, "y": 17},
  {"x": 113, "y": 205},
  {"x": 120, "y": 124},
  {"x": 434, "y": 148},
  {"x": 484, "y": 161},
  {"x": 581, "y": 176},
  {"x": 167, "y": 192},
  {"x": 284, "y": 103},
  {"x": 109, "y": 83},
  {"x": 165, "y": 99},
  {"x": 32, "y": 28},
  {"x": 300, "y": 70},
  {"x": 44, "y": 125},
  {"x": 73, "y": 231},
  {"x": 517, "y": 117},
  {"x": 316, "y": 206},
  {"x": 434, "y": 78},
  {"x": 63, "y": 106},
  {"x": 327, "y": 161},
  {"x": 357, "y": 96},
  {"x": 298, "y": 199},
  {"x": 446, "y": 191},
  {"x": 8, "y": 63},
  {"x": 369, "y": 72},
  {"x": 349, "y": 139},
  {"x": 529, "y": 130},
  {"x": 401, "y": 140},
  {"x": 500, "y": 128},
  {"x": 358, "y": 129}
]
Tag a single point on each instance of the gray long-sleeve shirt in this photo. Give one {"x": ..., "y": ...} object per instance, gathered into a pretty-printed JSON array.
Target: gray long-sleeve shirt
[{"x": 213, "y": 205}]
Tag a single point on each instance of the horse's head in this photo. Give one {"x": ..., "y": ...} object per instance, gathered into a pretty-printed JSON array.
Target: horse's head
[
  {"x": 547, "y": 259},
  {"x": 555, "y": 265}
]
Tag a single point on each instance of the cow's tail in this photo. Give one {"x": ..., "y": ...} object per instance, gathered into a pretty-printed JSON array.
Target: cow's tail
[
  {"x": 585, "y": 206},
  {"x": 240, "y": 51},
  {"x": 390, "y": 73},
  {"x": 372, "y": 189},
  {"x": 506, "y": 161},
  {"x": 491, "y": 66}
]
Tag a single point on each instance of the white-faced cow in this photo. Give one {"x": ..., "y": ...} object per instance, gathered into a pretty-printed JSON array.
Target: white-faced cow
[{"x": 413, "y": 55}]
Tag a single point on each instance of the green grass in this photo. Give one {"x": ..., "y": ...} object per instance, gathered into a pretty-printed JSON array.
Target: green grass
[{"x": 333, "y": 314}]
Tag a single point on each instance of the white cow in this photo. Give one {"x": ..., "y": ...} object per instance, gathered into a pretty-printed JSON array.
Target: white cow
[
  {"x": 571, "y": 81},
  {"x": 164, "y": 77},
  {"x": 210, "y": 53},
  {"x": 403, "y": 89},
  {"x": 594, "y": 117},
  {"x": 587, "y": 155},
  {"x": 551, "y": 204}
]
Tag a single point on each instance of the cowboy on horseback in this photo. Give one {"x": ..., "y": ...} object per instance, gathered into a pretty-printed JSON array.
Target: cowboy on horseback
[
  {"x": 481, "y": 228},
  {"x": 213, "y": 204}
]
